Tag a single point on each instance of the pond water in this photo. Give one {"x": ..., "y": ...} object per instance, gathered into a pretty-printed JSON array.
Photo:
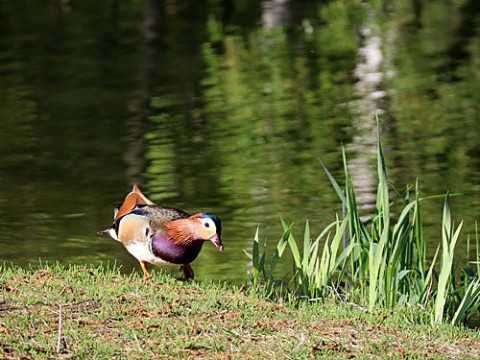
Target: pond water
[{"x": 227, "y": 107}]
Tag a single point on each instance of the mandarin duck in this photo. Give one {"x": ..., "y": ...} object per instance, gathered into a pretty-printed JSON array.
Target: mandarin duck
[{"x": 162, "y": 235}]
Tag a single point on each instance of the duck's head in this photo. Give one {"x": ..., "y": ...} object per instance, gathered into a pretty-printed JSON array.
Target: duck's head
[
  {"x": 198, "y": 227},
  {"x": 208, "y": 227}
]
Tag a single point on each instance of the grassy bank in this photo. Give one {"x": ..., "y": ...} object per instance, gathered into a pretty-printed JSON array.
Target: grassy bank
[{"x": 105, "y": 314}]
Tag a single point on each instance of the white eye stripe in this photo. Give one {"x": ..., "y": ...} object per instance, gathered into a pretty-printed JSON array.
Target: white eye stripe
[{"x": 209, "y": 224}]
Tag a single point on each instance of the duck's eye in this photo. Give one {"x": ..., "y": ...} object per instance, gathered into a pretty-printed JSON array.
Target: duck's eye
[{"x": 208, "y": 224}]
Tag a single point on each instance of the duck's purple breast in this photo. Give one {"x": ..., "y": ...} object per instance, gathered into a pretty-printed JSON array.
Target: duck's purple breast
[{"x": 164, "y": 248}]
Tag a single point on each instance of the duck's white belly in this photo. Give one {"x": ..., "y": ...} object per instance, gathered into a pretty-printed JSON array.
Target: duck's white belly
[{"x": 142, "y": 252}]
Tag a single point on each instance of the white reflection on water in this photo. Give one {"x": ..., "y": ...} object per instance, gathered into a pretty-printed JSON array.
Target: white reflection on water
[{"x": 370, "y": 77}]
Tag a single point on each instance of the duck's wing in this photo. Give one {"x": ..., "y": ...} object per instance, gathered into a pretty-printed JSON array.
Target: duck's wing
[
  {"x": 136, "y": 213},
  {"x": 132, "y": 200},
  {"x": 161, "y": 214},
  {"x": 137, "y": 191}
]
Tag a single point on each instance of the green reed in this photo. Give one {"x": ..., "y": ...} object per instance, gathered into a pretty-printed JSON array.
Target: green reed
[{"x": 384, "y": 264}]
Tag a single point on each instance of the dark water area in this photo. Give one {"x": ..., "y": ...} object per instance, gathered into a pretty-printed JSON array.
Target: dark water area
[{"x": 227, "y": 107}]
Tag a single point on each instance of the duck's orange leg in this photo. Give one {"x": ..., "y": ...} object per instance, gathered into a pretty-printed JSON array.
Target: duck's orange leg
[
  {"x": 187, "y": 272},
  {"x": 143, "y": 265}
]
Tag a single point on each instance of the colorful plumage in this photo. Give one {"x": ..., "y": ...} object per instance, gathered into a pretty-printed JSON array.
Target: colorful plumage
[{"x": 162, "y": 235}]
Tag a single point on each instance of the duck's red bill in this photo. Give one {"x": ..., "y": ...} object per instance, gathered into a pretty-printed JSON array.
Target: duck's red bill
[{"x": 215, "y": 240}]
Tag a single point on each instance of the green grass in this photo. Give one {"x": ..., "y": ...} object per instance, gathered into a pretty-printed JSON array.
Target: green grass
[
  {"x": 384, "y": 266},
  {"x": 108, "y": 315}
]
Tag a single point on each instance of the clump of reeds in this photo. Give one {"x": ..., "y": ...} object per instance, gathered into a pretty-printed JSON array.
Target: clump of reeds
[{"x": 383, "y": 264}]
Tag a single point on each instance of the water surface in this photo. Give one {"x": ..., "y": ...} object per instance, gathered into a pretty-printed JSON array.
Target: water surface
[{"x": 227, "y": 109}]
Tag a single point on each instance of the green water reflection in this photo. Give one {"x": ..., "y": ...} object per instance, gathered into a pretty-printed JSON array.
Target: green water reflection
[{"x": 226, "y": 107}]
